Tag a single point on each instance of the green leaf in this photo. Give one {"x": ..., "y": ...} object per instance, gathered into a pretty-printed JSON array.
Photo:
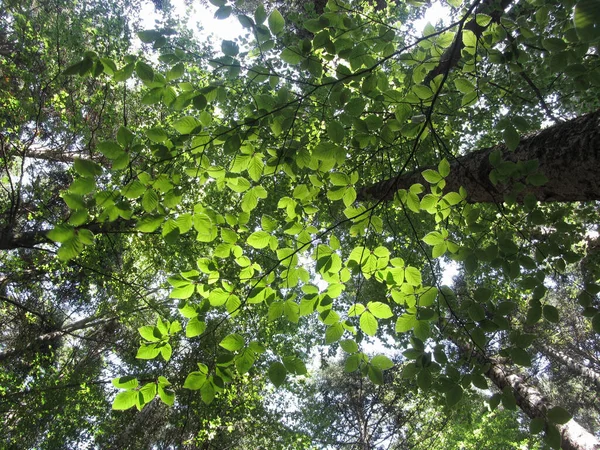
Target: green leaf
[
  {"x": 586, "y": 17},
  {"x": 229, "y": 48},
  {"x": 147, "y": 351},
  {"x": 558, "y": 415},
  {"x": 176, "y": 72},
  {"x": 259, "y": 239},
  {"x": 260, "y": 14},
  {"x": 422, "y": 330},
  {"x": 406, "y": 322},
  {"x": 352, "y": 364},
  {"x": 194, "y": 327},
  {"x": 218, "y": 297},
  {"x": 291, "y": 56},
  {"x": 156, "y": 134},
  {"x": 207, "y": 392},
  {"x": 128, "y": 382},
  {"x": 233, "y": 342},
  {"x": 349, "y": 346},
  {"x": 431, "y": 176},
  {"x": 537, "y": 179},
  {"x": 454, "y": 395},
  {"x": 83, "y": 185},
  {"x": 183, "y": 292},
  {"x": 222, "y": 13},
  {"x": 511, "y": 137},
  {"x": 195, "y": 380},
  {"x": 255, "y": 167},
  {"x": 413, "y": 276},
  {"x": 150, "y": 200},
  {"x": 335, "y": 131},
  {"x": 150, "y": 333},
  {"x": 244, "y": 361},
  {"x": 245, "y": 21},
  {"x": 482, "y": 294},
  {"x": 479, "y": 381},
  {"x": 276, "y": 22},
  {"x": 144, "y": 71},
  {"x": 148, "y": 224},
  {"x": 537, "y": 425},
  {"x": 148, "y": 36},
  {"x": 75, "y": 69},
  {"x": 483, "y": 20},
  {"x": 87, "y": 168},
  {"x": 61, "y": 233},
  {"x": 368, "y": 323},
  {"x": 148, "y": 392},
  {"x": 476, "y": 312},
  {"x": 186, "y": 124},
  {"x": 333, "y": 333},
  {"x": 204, "y": 226},
  {"x": 294, "y": 365},
  {"x": 464, "y": 86},
  {"x": 380, "y": 310},
  {"x": 508, "y": 399},
  {"x": 520, "y": 357},
  {"x": 444, "y": 168},
  {"x": 291, "y": 310},
  {"x": 133, "y": 189},
  {"x": 428, "y": 297},
  {"x": 382, "y": 362},
  {"x": 356, "y": 310},
  {"x": 166, "y": 394},
  {"x": 166, "y": 351},
  {"x": 424, "y": 379},
  {"x": 553, "y": 437},
  {"x": 125, "y": 400},
  {"x": 375, "y": 375},
  {"x": 125, "y": 72},
  {"x": 550, "y": 313},
  {"x": 277, "y": 373},
  {"x": 110, "y": 149},
  {"x": 70, "y": 249},
  {"x": 554, "y": 44},
  {"x": 434, "y": 238}
]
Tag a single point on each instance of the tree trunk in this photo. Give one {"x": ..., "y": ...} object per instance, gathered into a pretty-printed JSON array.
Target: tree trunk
[
  {"x": 529, "y": 399},
  {"x": 82, "y": 324},
  {"x": 577, "y": 368},
  {"x": 568, "y": 154}
]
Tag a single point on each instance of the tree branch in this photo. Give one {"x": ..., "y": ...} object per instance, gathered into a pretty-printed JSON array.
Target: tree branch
[{"x": 568, "y": 154}]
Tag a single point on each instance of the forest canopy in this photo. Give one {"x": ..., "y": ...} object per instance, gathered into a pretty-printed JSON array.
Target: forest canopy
[{"x": 246, "y": 243}]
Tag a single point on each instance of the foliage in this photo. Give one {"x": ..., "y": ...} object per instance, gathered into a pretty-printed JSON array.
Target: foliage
[{"x": 194, "y": 220}]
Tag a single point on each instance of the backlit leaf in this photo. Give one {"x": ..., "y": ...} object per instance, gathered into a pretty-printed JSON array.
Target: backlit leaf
[{"x": 277, "y": 373}]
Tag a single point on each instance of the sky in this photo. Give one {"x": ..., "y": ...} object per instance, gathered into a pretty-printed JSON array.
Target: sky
[{"x": 230, "y": 28}]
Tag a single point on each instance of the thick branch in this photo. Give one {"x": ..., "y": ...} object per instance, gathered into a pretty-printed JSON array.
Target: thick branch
[
  {"x": 529, "y": 399},
  {"x": 88, "y": 322},
  {"x": 575, "y": 367},
  {"x": 568, "y": 154},
  {"x": 451, "y": 56},
  {"x": 10, "y": 240}
]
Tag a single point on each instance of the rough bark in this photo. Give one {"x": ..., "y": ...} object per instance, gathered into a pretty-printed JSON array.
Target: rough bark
[
  {"x": 451, "y": 56},
  {"x": 568, "y": 154},
  {"x": 577, "y": 368},
  {"x": 531, "y": 401}
]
